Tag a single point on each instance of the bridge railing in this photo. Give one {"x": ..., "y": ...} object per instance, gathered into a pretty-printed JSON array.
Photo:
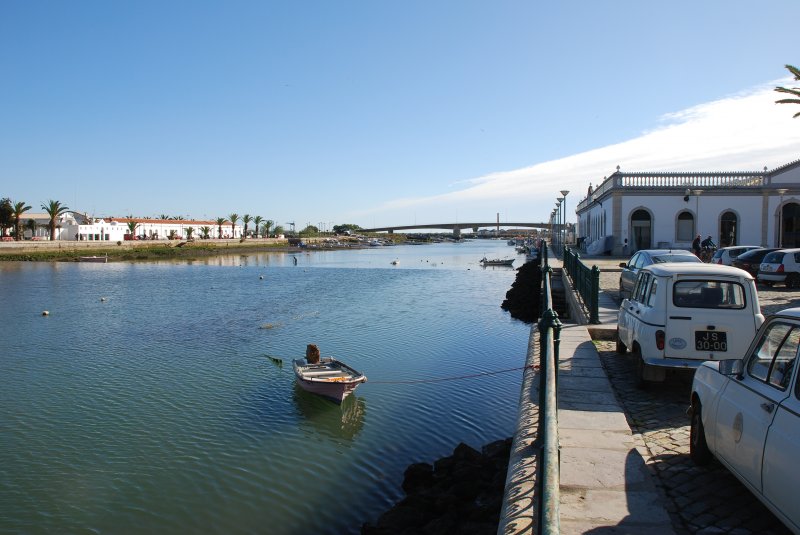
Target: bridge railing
[
  {"x": 549, "y": 480},
  {"x": 586, "y": 281}
]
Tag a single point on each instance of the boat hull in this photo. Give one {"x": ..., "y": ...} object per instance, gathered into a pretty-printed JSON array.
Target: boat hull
[{"x": 330, "y": 379}]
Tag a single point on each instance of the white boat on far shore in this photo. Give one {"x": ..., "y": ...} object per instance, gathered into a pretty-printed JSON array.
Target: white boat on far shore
[
  {"x": 99, "y": 259},
  {"x": 329, "y": 378}
]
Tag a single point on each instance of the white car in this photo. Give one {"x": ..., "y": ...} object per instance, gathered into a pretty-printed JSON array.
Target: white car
[
  {"x": 781, "y": 266},
  {"x": 681, "y": 314},
  {"x": 726, "y": 255},
  {"x": 746, "y": 412}
]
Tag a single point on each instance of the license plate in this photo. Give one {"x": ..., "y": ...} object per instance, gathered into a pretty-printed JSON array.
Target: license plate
[{"x": 710, "y": 341}]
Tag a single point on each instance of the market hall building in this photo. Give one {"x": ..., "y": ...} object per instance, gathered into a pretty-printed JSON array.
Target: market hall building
[{"x": 632, "y": 211}]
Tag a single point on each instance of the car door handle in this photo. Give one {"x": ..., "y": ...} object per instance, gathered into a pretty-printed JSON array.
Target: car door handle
[{"x": 769, "y": 407}]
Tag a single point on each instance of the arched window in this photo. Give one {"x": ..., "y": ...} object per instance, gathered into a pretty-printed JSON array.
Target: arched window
[
  {"x": 728, "y": 229},
  {"x": 684, "y": 230}
]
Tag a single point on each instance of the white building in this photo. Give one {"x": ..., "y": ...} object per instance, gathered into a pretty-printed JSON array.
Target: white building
[{"x": 632, "y": 211}]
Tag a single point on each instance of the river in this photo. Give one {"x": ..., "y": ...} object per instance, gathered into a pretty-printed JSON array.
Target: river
[{"x": 147, "y": 401}]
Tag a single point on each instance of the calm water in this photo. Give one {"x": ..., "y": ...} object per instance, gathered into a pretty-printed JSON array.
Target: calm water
[{"x": 158, "y": 409}]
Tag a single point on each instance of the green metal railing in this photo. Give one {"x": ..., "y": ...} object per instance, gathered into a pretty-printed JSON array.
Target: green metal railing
[
  {"x": 586, "y": 281},
  {"x": 549, "y": 328}
]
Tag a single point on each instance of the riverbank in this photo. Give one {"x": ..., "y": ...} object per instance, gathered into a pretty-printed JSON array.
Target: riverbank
[{"x": 71, "y": 251}]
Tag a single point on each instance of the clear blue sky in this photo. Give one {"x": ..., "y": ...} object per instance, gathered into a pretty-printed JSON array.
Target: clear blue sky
[{"x": 369, "y": 112}]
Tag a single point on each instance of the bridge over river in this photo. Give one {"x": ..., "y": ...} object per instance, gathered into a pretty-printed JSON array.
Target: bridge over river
[{"x": 457, "y": 227}]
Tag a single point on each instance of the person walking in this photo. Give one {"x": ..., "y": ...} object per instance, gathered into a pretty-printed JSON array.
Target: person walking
[{"x": 696, "y": 246}]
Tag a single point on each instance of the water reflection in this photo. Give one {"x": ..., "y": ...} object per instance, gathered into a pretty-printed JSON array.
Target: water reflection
[{"x": 334, "y": 421}]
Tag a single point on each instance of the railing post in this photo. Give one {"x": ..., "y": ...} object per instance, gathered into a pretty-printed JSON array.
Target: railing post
[
  {"x": 594, "y": 292},
  {"x": 556, "y": 324}
]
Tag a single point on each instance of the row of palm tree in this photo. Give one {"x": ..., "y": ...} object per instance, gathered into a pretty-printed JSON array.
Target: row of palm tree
[
  {"x": 246, "y": 220},
  {"x": 16, "y": 210}
]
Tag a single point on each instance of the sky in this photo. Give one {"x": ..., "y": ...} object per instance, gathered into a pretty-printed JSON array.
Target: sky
[{"x": 381, "y": 113}]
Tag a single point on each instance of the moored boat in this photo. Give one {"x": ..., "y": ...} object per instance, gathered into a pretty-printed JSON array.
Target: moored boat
[
  {"x": 497, "y": 262},
  {"x": 100, "y": 259},
  {"x": 329, "y": 378}
]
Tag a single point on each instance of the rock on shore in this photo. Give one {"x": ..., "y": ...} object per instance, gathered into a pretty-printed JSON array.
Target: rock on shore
[{"x": 462, "y": 493}]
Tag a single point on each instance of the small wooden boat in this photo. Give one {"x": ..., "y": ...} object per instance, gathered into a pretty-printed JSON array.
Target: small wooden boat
[
  {"x": 100, "y": 259},
  {"x": 497, "y": 262},
  {"x": 329, "y": 378}
]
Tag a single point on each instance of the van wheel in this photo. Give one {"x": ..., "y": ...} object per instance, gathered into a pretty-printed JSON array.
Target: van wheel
[
  {"x": 698, "y": 447},
  {"x": 791, "y": 280},
  {"x": 621, "y": 349},
  {"x": 641, "y": 383}
]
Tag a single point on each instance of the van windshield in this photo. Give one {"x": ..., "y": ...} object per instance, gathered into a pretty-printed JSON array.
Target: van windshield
[{"x": 708, "y": 294}]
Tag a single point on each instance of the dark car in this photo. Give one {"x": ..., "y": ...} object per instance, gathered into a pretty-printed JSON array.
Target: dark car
[
  {"x": 750, "y": 260},
  {"x": 645, "y": 257}
]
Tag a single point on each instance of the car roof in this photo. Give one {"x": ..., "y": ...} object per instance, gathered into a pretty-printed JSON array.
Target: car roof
[
  {"x": 789, "y": 312},
  {"x": 752, "y": 247},
  {"x": 787, "y": 251},
  {"x": 701, "y": 269}
]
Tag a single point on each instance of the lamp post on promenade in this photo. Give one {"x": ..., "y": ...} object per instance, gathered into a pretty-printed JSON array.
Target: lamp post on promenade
[
  {"x": 781, "y": 192},
  {"x": 560, "y": 223},
  {"x": 565, "y": 192}
]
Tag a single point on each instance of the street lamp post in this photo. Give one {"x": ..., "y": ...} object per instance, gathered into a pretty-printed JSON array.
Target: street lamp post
[
  {"x": 781, "y": 192},
  {"x": 560, "y": 219},
  {"x": 565, "y": 192}
]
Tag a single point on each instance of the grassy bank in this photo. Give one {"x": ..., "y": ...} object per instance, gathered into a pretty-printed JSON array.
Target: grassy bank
[{"x": 139, "y": 251}]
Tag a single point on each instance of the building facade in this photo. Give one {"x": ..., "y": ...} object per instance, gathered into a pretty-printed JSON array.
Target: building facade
[{"x": 632, "y": 211}]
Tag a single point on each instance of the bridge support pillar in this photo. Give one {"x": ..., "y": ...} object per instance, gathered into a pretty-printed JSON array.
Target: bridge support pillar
[
  {"x": 457, "y": 233},
  {"x": 391, "y": 231}
]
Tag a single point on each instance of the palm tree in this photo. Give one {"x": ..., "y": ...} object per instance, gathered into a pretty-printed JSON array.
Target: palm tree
[
  {"x": 204, "y": 232},
  {"x": 132, "y": 225},
  {"x": 53, "y": 209},
  {"x": 267, "y": 225},
  {"x": 234, "y": 218},
  {"x": 189, "y": 232},
  {"x": 257, "y": 222},
  {"x": 246, "y": 218},
  {"x": 30, "y": 224},
  {"x": 163, "y": 216},
  {"x": 219, "y": 221},
  {"x": 19, "y": 209},
  {"x": 794, "y": 91}
]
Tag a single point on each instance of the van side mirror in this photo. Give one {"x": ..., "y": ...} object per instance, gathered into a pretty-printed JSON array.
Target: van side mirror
[
  {"x": 623, "y": 264},
  {"x": 731, "y": 367}
]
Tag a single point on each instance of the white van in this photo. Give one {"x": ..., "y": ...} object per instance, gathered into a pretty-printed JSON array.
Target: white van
[{"x": 681, "y": 314}]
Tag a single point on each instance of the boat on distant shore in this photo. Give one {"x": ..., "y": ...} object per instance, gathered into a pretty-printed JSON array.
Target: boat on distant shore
[
  {"x": 497, "y": 261},
  {"x": 99, "y": 259},
  {"x": 329, "y": 378}
]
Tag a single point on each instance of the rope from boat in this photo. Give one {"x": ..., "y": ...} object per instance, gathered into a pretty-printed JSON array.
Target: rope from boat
[{"x": 456, "y": 378}]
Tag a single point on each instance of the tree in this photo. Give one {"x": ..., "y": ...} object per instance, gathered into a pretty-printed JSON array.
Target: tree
[
  {"x": 309, "y": 230},
  {"x": 6, "y": 215},
  {"x": 794, "y": 91},
  {"x": 30, "y": 224},
  {"x": 257, "y": 222},
  {"x": 19, "y": 209},
  {"x": 54, "y": 209},
  {"x": 204, "y": 232},
  {"x": 132, "y": 225},
  {"x": 234, "y": 217},
  {"x": 343, "y": 229},
  {"x": 220, "y": 221},
  {"x": 163, "y": 216},
  {"x": 189, "y": 232},
  {"x": 268, "y": 225},
  {"x": 277, "y": 231},
  {"x": 246, "y": 219}
]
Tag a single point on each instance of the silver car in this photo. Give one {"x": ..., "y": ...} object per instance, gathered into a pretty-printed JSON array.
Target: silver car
[{"x": 646, "y": 257}]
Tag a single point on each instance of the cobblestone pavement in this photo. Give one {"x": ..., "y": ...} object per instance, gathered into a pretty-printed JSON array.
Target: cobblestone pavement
[{"x": 700, "y": 499}]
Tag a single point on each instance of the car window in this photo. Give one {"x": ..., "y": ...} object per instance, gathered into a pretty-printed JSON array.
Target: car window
[
  {"x": 660, "y": 259},
  {"x": 633, "y": 260},
  {"x": 651, "y": 295},
  {"x": 719, "y": 253},
  {"x": 773, "y": 258},
  {"x": 708, "y": 294},
  {"x": 774, "y": 357},
  {"x": 639, "y": 261},
  {"x": 641, "y": 286},
  {"x": 797, "y": 258}
]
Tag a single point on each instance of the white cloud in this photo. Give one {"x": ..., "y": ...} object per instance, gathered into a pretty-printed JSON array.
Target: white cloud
[{"x": 743, "y": 132}]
